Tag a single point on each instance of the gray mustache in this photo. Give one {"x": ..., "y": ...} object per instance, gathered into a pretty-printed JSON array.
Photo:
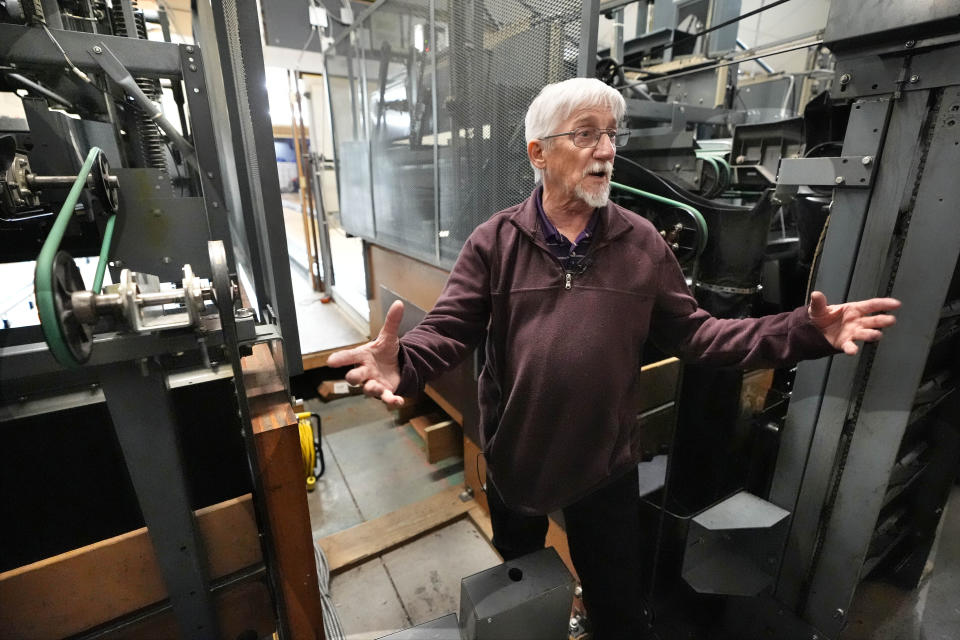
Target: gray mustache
[{"x": 605, "y": 167}]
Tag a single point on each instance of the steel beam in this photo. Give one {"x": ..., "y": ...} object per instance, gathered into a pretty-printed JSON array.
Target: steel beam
[
  {"x": 144, "y": 420},
  {"x": 589, "y": 22},
  {"x": 29, "y": 47}
]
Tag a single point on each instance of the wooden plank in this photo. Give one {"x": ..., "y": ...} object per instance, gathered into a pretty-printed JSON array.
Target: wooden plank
[
  {"x": 753, "y": 392},
  {"x": 119, "y": 575},
  {"x": 481, "y": 519},
  {"x": 286, "y": 131},
  {"x": 318, "y": 359},
  {"x": 421, "y": 423},
  {"x": 557, "y": 538},
  {"x": 413, "y": 407},
  {"x": 658, "y": 383},
  {"x": 443, "y": 439},
  {"x": 240, "y": 607},
  {"x": 333, "y": 389},
  {"x": 260, "y": 372},
  {"x": 280, "y": 465},
  {"x": 451, "y": 410},
  {"x": 374, "y": 537}
]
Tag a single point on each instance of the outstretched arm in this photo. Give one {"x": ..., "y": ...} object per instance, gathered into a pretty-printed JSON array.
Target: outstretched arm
[
  {"x": 844, "y": 324},
  {"x": 376, "y": 368}
]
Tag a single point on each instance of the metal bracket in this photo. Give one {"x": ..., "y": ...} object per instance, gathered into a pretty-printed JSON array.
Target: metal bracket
[{"x": 843, "y": 171}]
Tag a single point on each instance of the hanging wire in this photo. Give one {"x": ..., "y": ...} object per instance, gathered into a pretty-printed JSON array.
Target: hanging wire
[{"x": 73, "y": 67}]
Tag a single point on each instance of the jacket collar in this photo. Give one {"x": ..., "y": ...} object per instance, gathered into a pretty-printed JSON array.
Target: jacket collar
[{"x": 613, "y": 222}]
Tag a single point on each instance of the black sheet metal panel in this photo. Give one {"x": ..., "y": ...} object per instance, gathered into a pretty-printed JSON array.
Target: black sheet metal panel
[
  {"x": 856, "y": 24},
  {"x": 158, "y": 235},
  {"x": 732, "y": 546},
  {"x": 445, "y": 628},
  {"x": 529, "y": 598}
]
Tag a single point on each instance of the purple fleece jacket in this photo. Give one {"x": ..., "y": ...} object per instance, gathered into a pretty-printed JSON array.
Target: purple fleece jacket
[{"x": 560, "y": 389}]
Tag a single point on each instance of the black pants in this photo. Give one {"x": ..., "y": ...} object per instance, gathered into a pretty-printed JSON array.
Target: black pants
[{"x": 603, "y": 531}]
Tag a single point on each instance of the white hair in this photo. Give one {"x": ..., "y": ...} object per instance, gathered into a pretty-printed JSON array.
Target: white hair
[{"x": 556, "y": 102}]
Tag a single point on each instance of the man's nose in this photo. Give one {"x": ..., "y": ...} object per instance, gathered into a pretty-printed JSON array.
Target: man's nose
[{"x": 605, "y": 148}]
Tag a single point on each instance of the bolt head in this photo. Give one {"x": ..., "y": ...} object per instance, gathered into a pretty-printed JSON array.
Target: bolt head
[
  {"x": 196, "y": 90},
  {"x": 839, "y": 613},
  {"x": 910, "y": 43},
  {"x": 98, "y": 49},
  {"x": 867, "y": 160},
  {"x": 840, "y": 180},
  {"x": 914, "y": 79},
  {"x": 845, "y": 78},
  {"x": 189, "y": 49}
]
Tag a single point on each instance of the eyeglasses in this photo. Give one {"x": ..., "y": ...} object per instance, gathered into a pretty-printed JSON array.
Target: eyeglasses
[{"x": 586, "y": 137}]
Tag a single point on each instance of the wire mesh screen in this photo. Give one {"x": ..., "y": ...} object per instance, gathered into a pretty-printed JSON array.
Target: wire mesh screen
[
  {"x": 499, "y": 53},
  {"x": 480, "y": 62}
]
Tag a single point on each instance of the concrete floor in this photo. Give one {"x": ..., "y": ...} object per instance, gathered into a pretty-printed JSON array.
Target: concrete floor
[
  {"x": 326, "y": 326},
  {"x": 931, "y": 612},
  {"x": 373, "y": 467}
]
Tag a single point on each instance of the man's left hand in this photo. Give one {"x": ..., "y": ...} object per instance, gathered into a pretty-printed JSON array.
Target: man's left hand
[{"x": 843, "y": 324}]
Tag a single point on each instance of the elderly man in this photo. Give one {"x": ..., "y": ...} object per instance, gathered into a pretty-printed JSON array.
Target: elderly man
[{"x": 569, "y": 287}]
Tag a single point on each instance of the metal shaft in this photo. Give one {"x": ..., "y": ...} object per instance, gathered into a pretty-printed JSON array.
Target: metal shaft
[{"x": 64, "y": 181}]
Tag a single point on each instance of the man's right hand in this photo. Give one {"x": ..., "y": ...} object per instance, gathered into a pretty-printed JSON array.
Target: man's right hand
[{"x": 376, "y": 368}]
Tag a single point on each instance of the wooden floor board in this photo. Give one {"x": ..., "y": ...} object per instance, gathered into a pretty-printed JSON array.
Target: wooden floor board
[{"x": 373, "y": 538}]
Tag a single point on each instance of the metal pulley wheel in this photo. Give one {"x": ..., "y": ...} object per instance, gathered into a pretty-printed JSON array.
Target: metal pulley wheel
[
  {"x": 223, "y": 291},
  {"x": 609, "y": 72},
  {"x": 104, "y": 185},
  {"x": 75, "y": 338}
]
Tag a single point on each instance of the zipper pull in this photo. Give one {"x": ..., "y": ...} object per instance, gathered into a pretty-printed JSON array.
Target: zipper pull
[{"x": 568, "y": 282}]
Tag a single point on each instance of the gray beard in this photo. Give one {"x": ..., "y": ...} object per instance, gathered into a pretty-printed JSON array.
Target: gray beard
[{"x": 595, "y": 199}]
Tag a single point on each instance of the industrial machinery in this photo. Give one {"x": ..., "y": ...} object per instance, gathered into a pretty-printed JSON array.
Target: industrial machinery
[
  {"x": 785, "y": 490},
  {"x": 146, "y": 390}
]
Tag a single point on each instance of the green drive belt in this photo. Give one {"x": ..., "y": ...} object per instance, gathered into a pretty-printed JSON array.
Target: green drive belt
[{"x": 43, "y": 277}]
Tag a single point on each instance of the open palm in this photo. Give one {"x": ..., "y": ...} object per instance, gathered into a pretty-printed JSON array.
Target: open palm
[{"x": 845, "y": 324}]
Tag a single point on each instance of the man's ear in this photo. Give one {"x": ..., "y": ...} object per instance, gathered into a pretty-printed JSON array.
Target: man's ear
[{"x": 535, "y": 152}]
